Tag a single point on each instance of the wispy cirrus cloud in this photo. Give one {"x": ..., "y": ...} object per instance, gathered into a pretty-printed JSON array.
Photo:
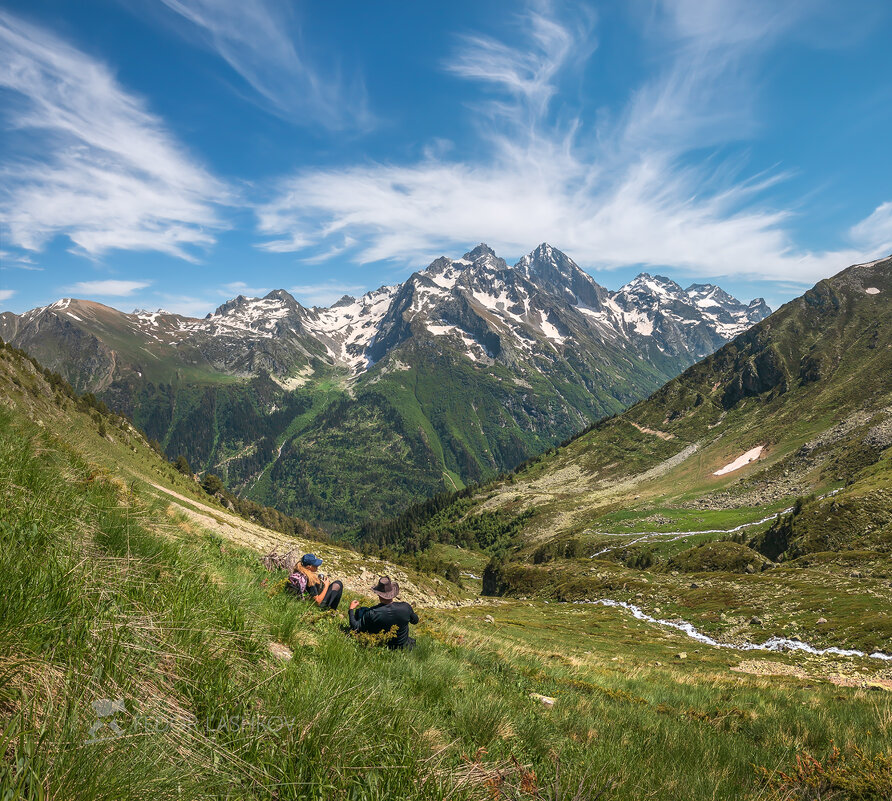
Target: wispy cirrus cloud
[
  {"x": 874, "y": 233},
  {"x": 704, "y": 92},
  {"x": 241, "y": 288},
  {"x": 324, "y": 293},
  {"x": 88, "y": 160},
  {"x": 526, "y": 74},
  {"x": 6, "y": 294},
  {"x": 626, "y": 191},
  {"x": 17, "y": 261},
  {"x": 108, "y": 288},
  {"x": 262, "y": 44}
]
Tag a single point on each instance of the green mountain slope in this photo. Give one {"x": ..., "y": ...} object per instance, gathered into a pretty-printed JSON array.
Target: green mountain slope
[
  {"x": 808, "y": 391},
  {"x": 425, "y": 420},
  {"x": 146, "y": 653},
  {"x": 773, "y": 451},
  {"x": 347, "y": 413}
]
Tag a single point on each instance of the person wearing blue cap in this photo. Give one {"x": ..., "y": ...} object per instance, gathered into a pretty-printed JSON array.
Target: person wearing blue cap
[{"x": 306, "y": 580}]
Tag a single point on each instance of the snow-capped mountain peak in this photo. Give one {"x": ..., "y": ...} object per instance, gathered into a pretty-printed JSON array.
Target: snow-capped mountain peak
[
  {"x": 557, "y": 271},
  {"x": 698, "y": 319},
  {"x": 477, "y": 307},
  {"x": 484, "y": 254},
  {"x": 710, "y": 295},
  {"x": 657, "y": 286}
]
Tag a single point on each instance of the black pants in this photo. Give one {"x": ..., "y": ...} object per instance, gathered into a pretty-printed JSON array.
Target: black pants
[{"x": 332, "y": 596}]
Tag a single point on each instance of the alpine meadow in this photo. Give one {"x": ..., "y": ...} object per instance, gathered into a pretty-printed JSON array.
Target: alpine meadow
[{"x": 352, "y": 516}]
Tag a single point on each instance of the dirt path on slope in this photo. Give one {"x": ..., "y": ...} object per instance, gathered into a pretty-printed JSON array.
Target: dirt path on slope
[{"x": 357, "y": 572}]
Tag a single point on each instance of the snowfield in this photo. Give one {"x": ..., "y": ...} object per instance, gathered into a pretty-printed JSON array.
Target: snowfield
[{"x": 741, "y": 461}]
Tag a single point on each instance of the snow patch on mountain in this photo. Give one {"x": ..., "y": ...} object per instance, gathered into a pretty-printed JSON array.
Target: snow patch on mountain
[
  {"x": 349, "y": 327},
  {"x": 741, "y": 461}
]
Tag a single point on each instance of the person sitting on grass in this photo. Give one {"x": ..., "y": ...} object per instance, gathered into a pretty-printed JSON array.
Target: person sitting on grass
[
  {"x": 306, "y": 580},
  {"x": 387, "y": 614}
]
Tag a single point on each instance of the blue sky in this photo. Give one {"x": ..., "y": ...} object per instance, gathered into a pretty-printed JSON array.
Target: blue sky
[{"x": 174, "y": 153}]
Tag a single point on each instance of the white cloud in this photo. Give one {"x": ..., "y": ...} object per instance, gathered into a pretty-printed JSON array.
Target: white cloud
[
  {"x": 187, "y": 305},
  {"x": 6, "y": 294},
  {"x": 323, "y": 294},
  {"x": 108, "y": 175},
  {"x": 15, "y": 261},
  {"x": 110, "y": 288},
  {"x": 526, "y": 73},
  {"x": 257, "y": 40},
  {"x": 241, "y": 288},
  {"x": 625, "y": 196},
  {"x": 874, "y": 233}
]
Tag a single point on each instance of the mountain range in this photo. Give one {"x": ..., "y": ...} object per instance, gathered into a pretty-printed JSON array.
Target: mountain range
[
  {"x": 349, "y": 412},
  {"x": 775, "y": 449},
  {"x": 125, "y": 579}
]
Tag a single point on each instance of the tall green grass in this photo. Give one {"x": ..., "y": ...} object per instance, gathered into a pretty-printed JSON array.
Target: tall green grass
[{"x": 104, "y": 596}]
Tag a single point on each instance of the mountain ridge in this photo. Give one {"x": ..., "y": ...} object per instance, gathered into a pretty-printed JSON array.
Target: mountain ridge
[
  {"x": 799, "y": 404},
  {"x": 277, "y": 311},
  {"x": 460, "y": 372}
]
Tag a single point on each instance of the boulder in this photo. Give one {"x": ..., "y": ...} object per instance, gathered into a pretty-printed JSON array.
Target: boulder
[
  {"x": 543, "y": 699},
  {"x": 280, "y": 651}
]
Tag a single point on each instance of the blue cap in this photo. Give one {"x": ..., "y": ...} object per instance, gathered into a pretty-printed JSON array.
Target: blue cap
[{"x": 310, "y": 560}]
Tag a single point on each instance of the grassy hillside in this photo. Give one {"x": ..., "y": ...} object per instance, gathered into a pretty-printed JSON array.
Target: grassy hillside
[
  {"x": 798, "y": 540},
  {"x": 808, "y": 391},
  {"x": 111, "y": 594},
  {"x": 286, "y": 425}
]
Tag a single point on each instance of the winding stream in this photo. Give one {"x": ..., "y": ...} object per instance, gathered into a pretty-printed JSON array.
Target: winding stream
[
  {"x": 646, "y": 536},
  {"x": 772, "y": 644}
]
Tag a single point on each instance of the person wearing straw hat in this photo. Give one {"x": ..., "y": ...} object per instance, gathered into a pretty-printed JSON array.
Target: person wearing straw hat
[{"x": 388, "y": 613}]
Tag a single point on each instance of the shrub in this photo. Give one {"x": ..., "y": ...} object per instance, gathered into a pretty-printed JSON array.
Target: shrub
[
  {"x": 182, "y": 464},
  {"x": 731, "y": 557},
  {"x": 212, "y": 484},
  {"x": 854, "y": 776}
]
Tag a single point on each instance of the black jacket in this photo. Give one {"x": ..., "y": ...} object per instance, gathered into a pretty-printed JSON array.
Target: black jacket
[{"x": 376, "y": 619}]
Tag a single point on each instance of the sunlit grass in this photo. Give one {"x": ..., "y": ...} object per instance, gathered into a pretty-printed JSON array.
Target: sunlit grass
[{"x": 105, "y": 597}]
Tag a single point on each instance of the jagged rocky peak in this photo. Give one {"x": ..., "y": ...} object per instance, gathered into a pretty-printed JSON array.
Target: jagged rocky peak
[
  {"x": 482, "y": 251},
  {"x": 548, "y": 265},
  {"x": 276, "y": 301},
  {"x": 653, "y": 293},
  {"x": 344, "y": 300},
  {"x": 282, "y": 295},
  {"x": 710, "y": 292},
  {"x": 237, "y": 302},
  {"x": 653, "y": 284},
  {"x": 758, "y": 309},
  {"x": 545, "y": 259},
  {"x": 483, "y": 256},
  {"x": 711, "y": 297},
  {"x": 481, "y": 262},
  {"x": 441, "y": 265}
]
